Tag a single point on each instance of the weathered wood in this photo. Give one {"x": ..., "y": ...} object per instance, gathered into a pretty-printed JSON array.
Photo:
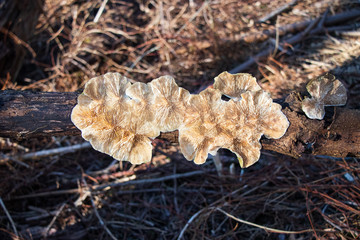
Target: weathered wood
[
  {"x": 35, "y": 114},
  {"x": 338, "y": 135},
  {"x": 28, "y": 114}
]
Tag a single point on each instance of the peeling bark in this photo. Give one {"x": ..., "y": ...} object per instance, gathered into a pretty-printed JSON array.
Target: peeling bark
[{"x": 35, "y": 114}]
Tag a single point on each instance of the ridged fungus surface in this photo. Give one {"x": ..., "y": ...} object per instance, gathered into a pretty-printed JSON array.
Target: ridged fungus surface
[{"x": 121, "y": 119}]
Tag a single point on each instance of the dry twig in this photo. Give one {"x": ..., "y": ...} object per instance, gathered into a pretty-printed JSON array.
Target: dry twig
[
  {"x": 101, "y": 221},
  {"x": 274, "y": 230},
  {"x": 9, "y": 217},
  {"x": 278, "y": 11},
  {"x": 55, "y": 151}
]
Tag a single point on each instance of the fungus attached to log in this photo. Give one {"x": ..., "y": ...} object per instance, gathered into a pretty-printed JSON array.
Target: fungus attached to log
[
  {"x": 325, "y": 91},
  {"x": 120, "y": 118},
  {"x": 168, "y": 103},
  {"x": 112, "y": 122},
  {"x": 204, "y": 130}
]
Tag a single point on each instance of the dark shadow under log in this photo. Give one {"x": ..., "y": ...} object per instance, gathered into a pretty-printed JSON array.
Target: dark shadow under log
[{"x": 37, "y": 114}]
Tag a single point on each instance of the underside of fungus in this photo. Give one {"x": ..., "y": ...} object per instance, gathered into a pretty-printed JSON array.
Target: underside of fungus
[{"x": 121, "y": 119}]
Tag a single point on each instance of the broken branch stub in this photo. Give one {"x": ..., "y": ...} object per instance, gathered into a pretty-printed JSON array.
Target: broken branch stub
[{"x": 120, "y": 118}]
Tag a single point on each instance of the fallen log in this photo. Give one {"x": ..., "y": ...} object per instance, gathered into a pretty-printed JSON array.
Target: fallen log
[{"x": 26, "y": 114}]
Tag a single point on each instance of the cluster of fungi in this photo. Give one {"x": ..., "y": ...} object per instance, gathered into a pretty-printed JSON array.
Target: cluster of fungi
[{"x": 120, "y": 118}]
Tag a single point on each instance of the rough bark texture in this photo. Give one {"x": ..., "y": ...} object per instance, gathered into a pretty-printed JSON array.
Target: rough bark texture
[
  {"x": 34, "y": 114},
  {"x": 338, "y": 135}
]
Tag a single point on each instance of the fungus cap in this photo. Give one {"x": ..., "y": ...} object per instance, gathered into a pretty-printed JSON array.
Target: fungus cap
[
  {"x": 169, "y": 103},
  {"x": 251, "y": 117},
  {"x": 120, "y": 118},
  {"x": 233, "y": 85},
  {"x": 235, "y": 125},
  {"x": 204, "y": 127},
  {"x": 112, "y": 122},
  {"x": 325, "y": 91}
]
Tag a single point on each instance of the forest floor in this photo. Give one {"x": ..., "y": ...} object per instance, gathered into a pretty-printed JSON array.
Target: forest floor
[{"x": 87, "y": 195}]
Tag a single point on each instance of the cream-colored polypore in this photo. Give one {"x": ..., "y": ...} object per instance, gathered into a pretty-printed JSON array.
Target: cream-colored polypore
[
  {"x": 121, "y": 119},
  {"x": 325, "y": 91}
]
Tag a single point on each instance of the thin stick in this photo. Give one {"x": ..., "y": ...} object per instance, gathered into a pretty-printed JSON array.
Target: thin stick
[
  {"x": 45, "y": 153},
  {"x": 205, "y": 4},
  {"x": 354, "y": 33},
  {"x": 101, "y": 10},
  {"x": 147, "y": 181},
  {"x": 46, "y": 194},
  {"x": 277, "y": 38},
  {"x": 176, "y": 205},
  {"x": 54, "y": 219},
  {"x": 5, "y": 158},
  {"x": 309, "y": 28},
  {"x": 18, "y": 41},
  {"x": 137, "y": 60},
  {"x": 8, "y": 142},
  {"x": 55, "y": 151},
  {"x": 9, "y": 217},
  {"x": 189, "y": 222},
  {"x": 294, "y": 27},
  {"x": 274, "y": 230},
  {"x": 101, "y": 221},
  {"x": 295, "y": 39},
  {"x": 278, "y": 11},
  {"x": 121, "y": 182}
]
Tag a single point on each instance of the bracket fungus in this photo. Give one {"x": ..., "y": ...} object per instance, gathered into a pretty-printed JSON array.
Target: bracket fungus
[
  {"x": 325, "y": 91},
  {"x": 121, "y": 119},
  {"x": 233, "y": 85}
]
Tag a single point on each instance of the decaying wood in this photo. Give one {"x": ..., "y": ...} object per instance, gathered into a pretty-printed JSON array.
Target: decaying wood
[
  {"x": 338, "y": 135},
  {"x": 36, "y": 114}
]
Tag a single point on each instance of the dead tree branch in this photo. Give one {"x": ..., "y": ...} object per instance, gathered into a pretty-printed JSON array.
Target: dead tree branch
[
  {"x": 278, "y": 11},
  {"x": 290, "y": 41},
  {"x": 326, "y": 24},
  {"x": 38, "y": 114},
  {"x": 296, "y": 27}
]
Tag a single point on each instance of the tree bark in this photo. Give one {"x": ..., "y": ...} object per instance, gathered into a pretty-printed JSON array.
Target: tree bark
[{"x": 25, "y": 114}]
